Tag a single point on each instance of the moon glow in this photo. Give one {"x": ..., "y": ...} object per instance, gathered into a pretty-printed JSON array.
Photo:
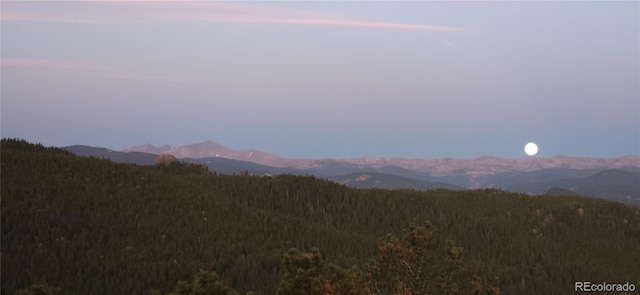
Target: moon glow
[{"x": 531, "y": 149}]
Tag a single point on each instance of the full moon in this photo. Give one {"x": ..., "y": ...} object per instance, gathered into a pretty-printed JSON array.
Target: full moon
[{"x": 531, "y": 149}]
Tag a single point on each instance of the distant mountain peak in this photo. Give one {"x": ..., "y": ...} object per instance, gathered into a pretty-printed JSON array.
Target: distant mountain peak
[
  {"x": 473, "y": 168},
  {"x": 208, "y": 143},
  {"x": 610, "y": 178},
  {"x": 210, "y": 149},
  {"x": 148, "y": 148}
]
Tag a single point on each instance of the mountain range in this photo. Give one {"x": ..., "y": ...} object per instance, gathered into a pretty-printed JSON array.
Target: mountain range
[{"x": 616, "y": 179}]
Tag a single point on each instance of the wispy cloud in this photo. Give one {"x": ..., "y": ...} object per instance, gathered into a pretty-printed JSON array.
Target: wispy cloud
[
  {"x": 328, "y": 22},
  {"x": 194, "y": 11}
]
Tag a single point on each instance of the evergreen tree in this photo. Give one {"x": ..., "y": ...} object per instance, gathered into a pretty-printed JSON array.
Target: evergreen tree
[
  {"x": 39, "y": 289},
  {"x": 204, "y": 283}
]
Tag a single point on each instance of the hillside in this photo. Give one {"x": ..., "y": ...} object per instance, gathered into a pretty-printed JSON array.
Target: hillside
[
  {"x": 387, "y": 177},
  {"x": 614, "y": 185},
  {"x": 389, "y": 181},
  {"x": 510, "y": 177},
  {"x": 119, "y": 157},
  {"x": 92, "y": 226}
]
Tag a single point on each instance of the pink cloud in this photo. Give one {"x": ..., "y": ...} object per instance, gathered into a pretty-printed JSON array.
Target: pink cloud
[
  {"x": 334, "y": 22},
  {"x": 200, "y": 11},
  {"x": 16, "y": 17}
]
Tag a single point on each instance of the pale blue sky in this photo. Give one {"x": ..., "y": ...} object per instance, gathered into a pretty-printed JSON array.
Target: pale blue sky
[{"x": 326, "y": 79}]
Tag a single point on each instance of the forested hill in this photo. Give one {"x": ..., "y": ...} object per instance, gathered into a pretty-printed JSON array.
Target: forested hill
[{"x": 91, "y": 226}]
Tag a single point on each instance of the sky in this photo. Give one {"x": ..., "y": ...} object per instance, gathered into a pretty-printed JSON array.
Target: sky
[{"x": 326, "y": 79}]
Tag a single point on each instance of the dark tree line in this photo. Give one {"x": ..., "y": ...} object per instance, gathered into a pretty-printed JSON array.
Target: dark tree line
[{"x": 91, "y": 226}]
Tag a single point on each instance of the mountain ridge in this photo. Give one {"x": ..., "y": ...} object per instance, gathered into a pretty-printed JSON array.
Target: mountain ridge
[
  {"x": 559, "y": 173},
  {"x": 210, "y": 148},
  {"x": 484, "y": 165}
]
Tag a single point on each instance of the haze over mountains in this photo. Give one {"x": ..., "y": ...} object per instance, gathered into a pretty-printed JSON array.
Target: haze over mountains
[
  {"x": 437, "y": 167},
  {"x": 610, "y": 178}
]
